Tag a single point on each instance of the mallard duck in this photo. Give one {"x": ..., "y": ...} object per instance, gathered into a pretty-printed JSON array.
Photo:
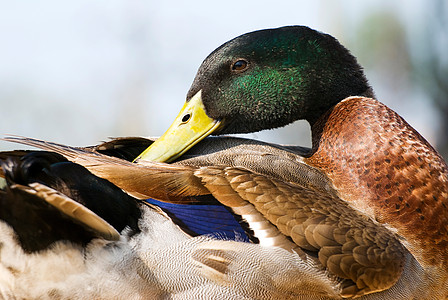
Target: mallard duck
[{"x": 363, "y": 212}]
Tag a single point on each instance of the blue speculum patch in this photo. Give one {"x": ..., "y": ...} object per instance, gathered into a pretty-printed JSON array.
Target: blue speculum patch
[{"x": 209, "y": 219}]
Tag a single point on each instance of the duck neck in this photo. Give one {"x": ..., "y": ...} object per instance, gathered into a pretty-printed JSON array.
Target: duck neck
[
  {"x": 318, "y": 117},
  {"x": 317, "y": 130},
  {"x": 382, "y": 167}
]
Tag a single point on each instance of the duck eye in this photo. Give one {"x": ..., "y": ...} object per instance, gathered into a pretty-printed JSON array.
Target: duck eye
[{"x": 240, "y": 65}]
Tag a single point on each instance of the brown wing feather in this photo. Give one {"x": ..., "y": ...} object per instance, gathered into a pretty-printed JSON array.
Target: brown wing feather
[
  {"x": 145, "y": 180},
  {"x": 348, "y": 244}
]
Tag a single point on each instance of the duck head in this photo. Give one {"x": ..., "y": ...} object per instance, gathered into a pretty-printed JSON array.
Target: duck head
[{"x": 262, "y": 80}]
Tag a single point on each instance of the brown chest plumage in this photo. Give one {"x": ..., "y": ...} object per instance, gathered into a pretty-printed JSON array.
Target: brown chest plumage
[{"x": 386, "y": 169}]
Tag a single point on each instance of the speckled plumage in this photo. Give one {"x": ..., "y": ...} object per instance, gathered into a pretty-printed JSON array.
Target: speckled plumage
[{"x": 382, "y": 166}]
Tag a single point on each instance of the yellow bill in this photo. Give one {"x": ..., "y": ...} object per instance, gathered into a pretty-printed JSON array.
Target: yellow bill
[{"x": 190, "y": 126}]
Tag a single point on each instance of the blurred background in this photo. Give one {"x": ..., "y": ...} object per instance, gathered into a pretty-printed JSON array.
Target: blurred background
[{"x": 78, "y": 72}]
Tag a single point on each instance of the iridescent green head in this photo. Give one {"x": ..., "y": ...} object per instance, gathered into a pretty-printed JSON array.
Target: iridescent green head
[
  {"x": 270, "y": 78},
  {"x": 265, "y": 79}
]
